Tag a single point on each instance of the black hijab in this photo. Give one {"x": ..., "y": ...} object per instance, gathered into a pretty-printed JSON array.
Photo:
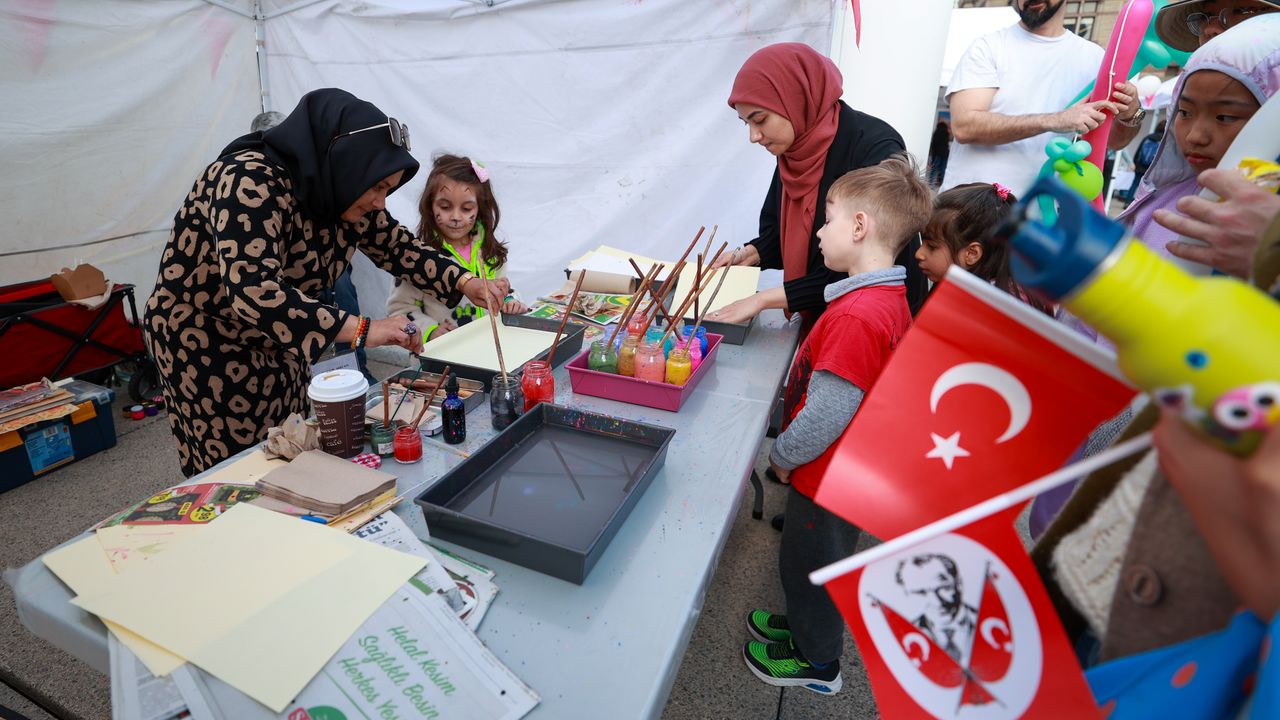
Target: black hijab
[{"x": 329, "y": 180}]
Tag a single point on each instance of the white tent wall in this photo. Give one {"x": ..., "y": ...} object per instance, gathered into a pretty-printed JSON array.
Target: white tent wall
[
  {"x": 599, "y": 122},
  {"x": 110, "y": 109},
  {"x": 892, "y": 70}
]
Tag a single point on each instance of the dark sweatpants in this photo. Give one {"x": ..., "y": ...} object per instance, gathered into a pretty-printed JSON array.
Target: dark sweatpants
[{"x": 813, "y": 538}]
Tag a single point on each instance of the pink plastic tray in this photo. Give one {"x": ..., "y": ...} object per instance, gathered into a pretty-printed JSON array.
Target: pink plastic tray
[{"x": 638, "y": 392}]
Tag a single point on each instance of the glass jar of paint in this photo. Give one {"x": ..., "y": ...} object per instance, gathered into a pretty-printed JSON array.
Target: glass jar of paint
[
  {"x": 538, "y": 384},
  {"x": 653, "y": 337},
  {"x": 695, "y": 350},
  {"x": 627, "y": 355},
  {"x": 506, "y": 400},
  {"x": 650, "y": 364},
  {"x": 407, "y": 445},
  {"x": 382, "y": 439},
  {"x": 602, "y": 358},
  {"x": 679, "y": 366},
  {"x": 635, "y": 326},
  {"x": 702, "y": 340}
]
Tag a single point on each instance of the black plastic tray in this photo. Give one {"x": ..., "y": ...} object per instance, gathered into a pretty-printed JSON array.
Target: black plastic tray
[
  {"x": 734, "y": 333},
  {"x": 550, "y": 491},
  {"x": 570, "y": 345}
]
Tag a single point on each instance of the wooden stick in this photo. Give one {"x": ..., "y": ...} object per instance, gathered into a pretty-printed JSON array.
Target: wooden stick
[
  {"x": 551, "y": 356},
  {"x": 659, "y": 295},
  {"x": 641, "y": 274},
  {"x": 697, "y": 280},
  {"x": 493, "y": 323},
  {"x": 707, "y": 249},
  {"x": 693, "y": 334},
  {"x": 631, "y": 309},
  {"x": 684, "y": 306},
  {"x": 427, "y": 403},
  {"x": 386, "y": 404},
  {"x": 404, "y": 395}
]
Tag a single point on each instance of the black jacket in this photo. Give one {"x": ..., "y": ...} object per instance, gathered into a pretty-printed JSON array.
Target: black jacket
[{"x": 861, "y": 141}]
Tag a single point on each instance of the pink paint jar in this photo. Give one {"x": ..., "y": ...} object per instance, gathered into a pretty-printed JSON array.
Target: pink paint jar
[{"x": 650, "y": 363}]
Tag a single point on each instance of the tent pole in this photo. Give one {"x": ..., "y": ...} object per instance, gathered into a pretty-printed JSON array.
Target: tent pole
[{"x": 260, "y": 35}]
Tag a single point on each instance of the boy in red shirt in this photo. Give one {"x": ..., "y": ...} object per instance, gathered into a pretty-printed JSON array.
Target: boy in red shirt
[{"x": 871, "y": 214}]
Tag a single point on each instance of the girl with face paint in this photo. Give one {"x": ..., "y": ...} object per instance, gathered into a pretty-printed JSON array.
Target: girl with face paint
[{"x": 459, "y": 218}]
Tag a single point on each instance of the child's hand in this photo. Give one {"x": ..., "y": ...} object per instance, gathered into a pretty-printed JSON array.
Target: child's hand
[
  {"x": 784, "y": 476},
  {"x": 1234, "y": 503},
  {"x": 441, "y": 329},
  {"x": 514, "y": 307}
]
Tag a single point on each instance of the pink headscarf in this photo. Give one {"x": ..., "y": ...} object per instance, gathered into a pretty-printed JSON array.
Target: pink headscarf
[{"x": 804, "y": 86}]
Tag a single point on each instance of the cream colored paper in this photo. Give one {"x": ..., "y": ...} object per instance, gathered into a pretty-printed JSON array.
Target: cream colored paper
[
  {"x": 270, "y": 598},
  {"x": 247, "y": 470},
  {"x": 85, "y": 568},
  {"x": 742, "y": 283},
  {"x": 472, "y": 344},
  {"x": 127, "y": 545}
]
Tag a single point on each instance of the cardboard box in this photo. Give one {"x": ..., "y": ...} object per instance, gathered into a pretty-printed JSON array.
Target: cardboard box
[{"x": 86, "y": 281}]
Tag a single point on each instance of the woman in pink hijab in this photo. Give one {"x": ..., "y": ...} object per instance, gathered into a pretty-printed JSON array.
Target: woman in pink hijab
[{"x": 788, "y": 95}]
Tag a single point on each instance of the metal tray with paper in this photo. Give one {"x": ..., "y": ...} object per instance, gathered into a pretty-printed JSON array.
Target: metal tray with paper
[
  {"x": 469, "y": 349},
  {"x": 550, "y": 491}
]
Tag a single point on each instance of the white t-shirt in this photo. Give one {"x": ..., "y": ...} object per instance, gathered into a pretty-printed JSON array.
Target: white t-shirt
[{"x": 1033, "y": 75}]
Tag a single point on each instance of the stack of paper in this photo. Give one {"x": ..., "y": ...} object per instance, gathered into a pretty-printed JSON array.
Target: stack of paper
[
  {"x": 27, "y": 404},
  {"x": 325, "y": 484},
  {"x": 279, "y": 597}
]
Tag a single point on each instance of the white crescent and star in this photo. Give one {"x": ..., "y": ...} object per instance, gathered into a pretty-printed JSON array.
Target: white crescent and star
[{"x": 1001, "y": 382}]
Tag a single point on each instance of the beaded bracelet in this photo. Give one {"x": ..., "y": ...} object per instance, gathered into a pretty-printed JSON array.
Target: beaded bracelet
[{"x": 362, "y": 333}]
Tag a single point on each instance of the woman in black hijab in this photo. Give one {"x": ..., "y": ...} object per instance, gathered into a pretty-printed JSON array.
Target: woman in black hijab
[{"x": 234, "y": 323}]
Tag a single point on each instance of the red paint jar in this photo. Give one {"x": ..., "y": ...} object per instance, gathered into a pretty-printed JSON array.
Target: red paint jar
[
  {"x": 407, "y": 445},
  {"x": 538, "y": 384}
]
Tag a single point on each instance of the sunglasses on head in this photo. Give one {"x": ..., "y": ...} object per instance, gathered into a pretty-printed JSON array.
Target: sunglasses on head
[
  {"x": 399, "y": 133},
  {"x": 1198, "y": 22}
]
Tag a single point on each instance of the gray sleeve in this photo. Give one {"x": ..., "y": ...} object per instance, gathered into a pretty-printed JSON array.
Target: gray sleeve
[{"x": 828, "y": 409}]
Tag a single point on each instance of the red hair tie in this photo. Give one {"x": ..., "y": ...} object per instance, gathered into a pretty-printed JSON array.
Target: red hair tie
[{"x": 1001, "y": 191}]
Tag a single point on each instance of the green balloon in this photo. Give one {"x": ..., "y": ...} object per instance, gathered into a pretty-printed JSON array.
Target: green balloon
[{"x": 1084, "y": 177}]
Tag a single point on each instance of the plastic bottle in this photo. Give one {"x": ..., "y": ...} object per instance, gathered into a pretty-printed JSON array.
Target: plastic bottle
[
  {"x": 1206, "y": 346},
  {"x": 452, "y": 413}
]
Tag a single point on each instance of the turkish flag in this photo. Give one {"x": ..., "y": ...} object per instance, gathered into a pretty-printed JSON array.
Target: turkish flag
[
  {"x": 959, "y": 626},
  {"x": 983, "y": 394}
]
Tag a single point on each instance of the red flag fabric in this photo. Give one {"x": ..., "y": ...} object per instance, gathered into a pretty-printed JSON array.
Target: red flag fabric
[
  {"x": 960, "y": 626},
  {"x": 983, "y": 394}
]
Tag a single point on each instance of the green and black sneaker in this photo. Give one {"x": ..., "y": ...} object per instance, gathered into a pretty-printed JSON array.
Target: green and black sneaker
[
  {"x": 782, "y": 665},
  {"x": 767, "y": 627}
]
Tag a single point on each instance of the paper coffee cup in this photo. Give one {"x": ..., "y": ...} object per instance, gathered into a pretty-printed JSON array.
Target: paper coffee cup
[{"x": 338, "y": 399}]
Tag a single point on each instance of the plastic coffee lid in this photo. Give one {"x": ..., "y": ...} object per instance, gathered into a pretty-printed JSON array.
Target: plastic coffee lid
[{"x": 337, "y": 386}]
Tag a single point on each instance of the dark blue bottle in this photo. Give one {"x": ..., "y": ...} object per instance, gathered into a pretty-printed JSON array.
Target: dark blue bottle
[{"x": 453, "y": 414}]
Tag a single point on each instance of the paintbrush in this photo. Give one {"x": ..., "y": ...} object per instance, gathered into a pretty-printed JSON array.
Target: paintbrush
[
  {"x": 386, "y": 404},
  {"x": 697, "y": 280},
  {"x": 635, "y": 303},
  {"x": 493, "y": 322},
  {"x": 427, "y": 404},
  {"x": 404, "y": 395},
  {"x": 551, "y": 356},
  {"x": 675, "y": 273},
  {"x": 707, "y": 249},
  {"x": 684, "y": 306},
  {"x": 693, "y": 334},
  {"x": 641, "y": 275}
]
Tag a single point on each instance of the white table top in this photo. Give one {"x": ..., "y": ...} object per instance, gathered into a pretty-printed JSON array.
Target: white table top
[{"x": 636, "y": 611}]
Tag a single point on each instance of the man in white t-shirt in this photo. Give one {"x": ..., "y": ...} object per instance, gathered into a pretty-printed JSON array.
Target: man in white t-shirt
[{"x": 1009, "y": 98}]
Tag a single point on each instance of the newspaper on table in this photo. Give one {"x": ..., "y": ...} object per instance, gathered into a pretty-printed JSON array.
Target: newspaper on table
[
  {"x": 388, "y": 530},
  {"x": 412, "y": 659},
  {"x": 473, "y": 580},
  {"x": 136, "y": 694}
]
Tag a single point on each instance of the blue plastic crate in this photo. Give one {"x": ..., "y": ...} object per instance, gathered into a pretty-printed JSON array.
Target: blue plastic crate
[{"x": 38, "y": 449}]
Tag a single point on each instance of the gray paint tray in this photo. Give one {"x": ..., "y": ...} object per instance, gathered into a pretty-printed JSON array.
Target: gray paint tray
[
  {"x": 550, "y": 491},
  {"x": 570, "y": 345}
]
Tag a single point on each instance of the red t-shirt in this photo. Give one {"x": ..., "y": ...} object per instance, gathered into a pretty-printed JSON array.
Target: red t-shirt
[{"x": 853, "y": 339}]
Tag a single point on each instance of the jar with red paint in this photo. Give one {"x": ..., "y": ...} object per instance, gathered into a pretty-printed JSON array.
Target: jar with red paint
[
  {"x": 538, "y": 384},
  {"x": 407, "y": 445}
]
